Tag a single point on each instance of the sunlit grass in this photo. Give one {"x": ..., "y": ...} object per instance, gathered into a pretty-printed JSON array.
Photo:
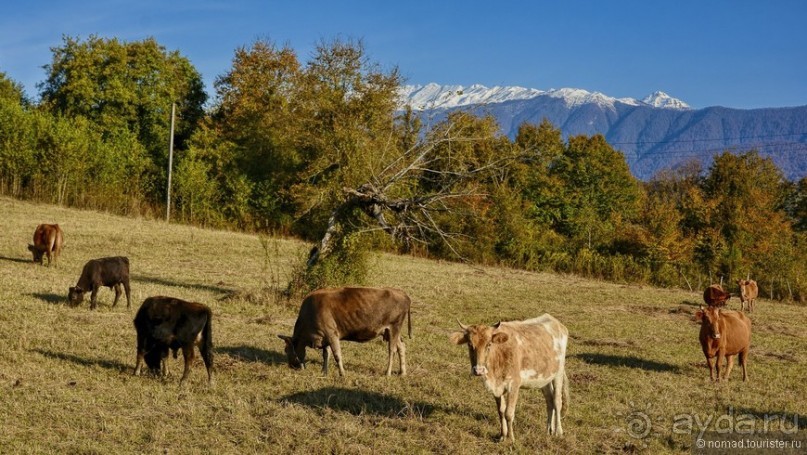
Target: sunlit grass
[{"x": 66, "y": 383}]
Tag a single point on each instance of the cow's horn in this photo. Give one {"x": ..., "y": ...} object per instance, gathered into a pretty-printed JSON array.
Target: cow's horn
[
  {"x": 462, "y": 326},
  {"x": 496, "y": 325}
]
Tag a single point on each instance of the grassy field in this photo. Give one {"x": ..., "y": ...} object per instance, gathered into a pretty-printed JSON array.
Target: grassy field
[{"x": 66, "y": 383}]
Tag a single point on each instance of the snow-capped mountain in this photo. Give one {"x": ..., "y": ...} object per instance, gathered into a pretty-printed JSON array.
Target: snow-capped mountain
[
  {"x": 655, "y": 133},
  {"x": 434, "y": 96}
]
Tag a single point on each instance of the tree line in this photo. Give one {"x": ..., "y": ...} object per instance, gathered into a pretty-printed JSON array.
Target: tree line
[{"x": 320, "y": 150}]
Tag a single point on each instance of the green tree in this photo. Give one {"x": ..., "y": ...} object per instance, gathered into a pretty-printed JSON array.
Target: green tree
[
  {"x": 119, "y": 85},
  {"x": 596, "y": 193},
  {"x": 256, "y": 113},
  {"x": 12, "y": 91}
]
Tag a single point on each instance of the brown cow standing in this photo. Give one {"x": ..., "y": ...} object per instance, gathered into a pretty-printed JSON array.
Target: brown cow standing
[
  {"x": 724, "y": 334},
  {"x": 516, "y": 354},
  {"x": 48, "y": 240},
  {"x": 714, "y": 295},
  {"x": 748, "y": 294},
  {"x": 353, "y": 314}
]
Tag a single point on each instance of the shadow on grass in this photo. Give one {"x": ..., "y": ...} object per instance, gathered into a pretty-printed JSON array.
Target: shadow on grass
[
  {"x": 628, "y": 361},
  {"x": 164, "y": 282},
  {"x": 360, "y": 402},
  {"x": 252, "y": 354},
  {"x": 108, "y": 364},
  {"x": 20, "y": 260},
  {"x": 53, "y": 299}
]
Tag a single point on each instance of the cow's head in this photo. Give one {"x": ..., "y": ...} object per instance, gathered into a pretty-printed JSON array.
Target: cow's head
[
  {"x": 709, "y": 317},
  {"x": 295, "y": 352},
  {"x": 479, "y": 338},
  {"x": 36, "y": 252},
  {"x": 75, "y": 295}
]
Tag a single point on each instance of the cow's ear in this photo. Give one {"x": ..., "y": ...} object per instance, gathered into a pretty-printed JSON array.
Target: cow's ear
[
  {"x": 285, "y": 338},
  {"x": 459, "y": 337},
  {"x": 699, "y": 315},
  {"x": 500, "y": 337},
  {"x": 30, "y": 247}
]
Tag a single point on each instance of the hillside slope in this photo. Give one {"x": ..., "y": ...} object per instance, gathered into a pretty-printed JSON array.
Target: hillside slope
[{"x": 65, "y": 373}]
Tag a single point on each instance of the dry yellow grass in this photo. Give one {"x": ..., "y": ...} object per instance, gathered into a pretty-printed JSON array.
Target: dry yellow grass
[{"x": 66, "y": 383}]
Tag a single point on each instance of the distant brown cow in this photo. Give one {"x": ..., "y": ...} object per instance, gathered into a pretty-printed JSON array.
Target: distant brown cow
[
  {"x": 511, "y": 355},
  {"x": 748, "y": 294},
  {"x": 724, "y": 334},
  {"x": 48, "y": 240},
  {"x": 110, "y": 272},
  {"x": 353, "y": 314},
  {"x": 714, "y": 295}
]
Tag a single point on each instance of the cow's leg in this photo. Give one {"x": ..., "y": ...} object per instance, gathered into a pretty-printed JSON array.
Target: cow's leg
[
  {"x": 729, "y": 366},
  {"x": 557, "y": 404},
  {"x": 394, "y": 338},
  {"x": 117, "y": 295},
  {"x": 141, "y": 351},
  {"x": 336, "y": 348},
  {"x": 743, "y": 362},
  {"x": 93, "y": 297},
  {"x": 549, "y": 396},
  {"x": 501, "y": 407},
  {"x": 711, "y": 362},
  {"x": 187, "y": 354},
  {"x": 325, "y": 356},
  {"x": 719, "y": 361},
  {"x": 510, "y": 411},
  {"x": 402, "y": 355}
]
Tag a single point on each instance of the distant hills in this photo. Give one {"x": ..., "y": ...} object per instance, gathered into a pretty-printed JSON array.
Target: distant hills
[{"x": 654, "y": 133}]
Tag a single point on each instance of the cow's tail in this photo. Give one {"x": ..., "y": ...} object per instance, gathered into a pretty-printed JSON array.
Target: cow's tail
[
  {"x": 207, "y": 335},
  {"x": 565, "y": 404},
  {"x": 409, "y": 319}
]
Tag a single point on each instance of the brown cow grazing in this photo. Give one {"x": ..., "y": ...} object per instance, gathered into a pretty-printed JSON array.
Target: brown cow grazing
[
  {"x": 48, "y": 240},
  {"x": 748, "y": 294},
  {"x": 353, "y": 314},
  {"x": 164, "y": 323},
  {"x": 724, "y": 334},
  {"x": 714, "y": 295},
  {"x": 515, "y": 354},
  {"x": 110, "y": 272}
]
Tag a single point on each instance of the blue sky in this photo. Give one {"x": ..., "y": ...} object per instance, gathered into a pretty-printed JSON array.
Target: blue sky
[{"x": 738, "y": 53}]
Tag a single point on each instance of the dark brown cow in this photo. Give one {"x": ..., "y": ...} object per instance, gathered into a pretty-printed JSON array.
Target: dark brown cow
[
  {"x": 164, "y": 323},
  {"x": 724, "y": 334},
  {"x": 511, "y": 355},
  {"x": 110, "y": 272},
  {"x": 714, "y": 295},
  {"x": 353, "y": 314},
  {"x": 48, "y": 241},
  {"x": 748, "y": 294}
]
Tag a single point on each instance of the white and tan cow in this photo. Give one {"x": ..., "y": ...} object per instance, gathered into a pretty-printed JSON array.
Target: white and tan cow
[
  {"x": 515, "y": 354},
  {"x": 749, "y": 291}
]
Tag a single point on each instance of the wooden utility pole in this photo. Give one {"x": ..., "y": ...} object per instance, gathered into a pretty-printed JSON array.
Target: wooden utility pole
[{"x": 170, "y": 165}]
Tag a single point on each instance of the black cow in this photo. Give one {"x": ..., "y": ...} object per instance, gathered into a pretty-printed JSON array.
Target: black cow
[
  {"x": 109, "y": 272},
  {"x": 164, "y": 323}
]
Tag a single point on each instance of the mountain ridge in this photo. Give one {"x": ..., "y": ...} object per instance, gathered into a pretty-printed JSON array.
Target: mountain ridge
[{"x": 654, "y": 133}]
